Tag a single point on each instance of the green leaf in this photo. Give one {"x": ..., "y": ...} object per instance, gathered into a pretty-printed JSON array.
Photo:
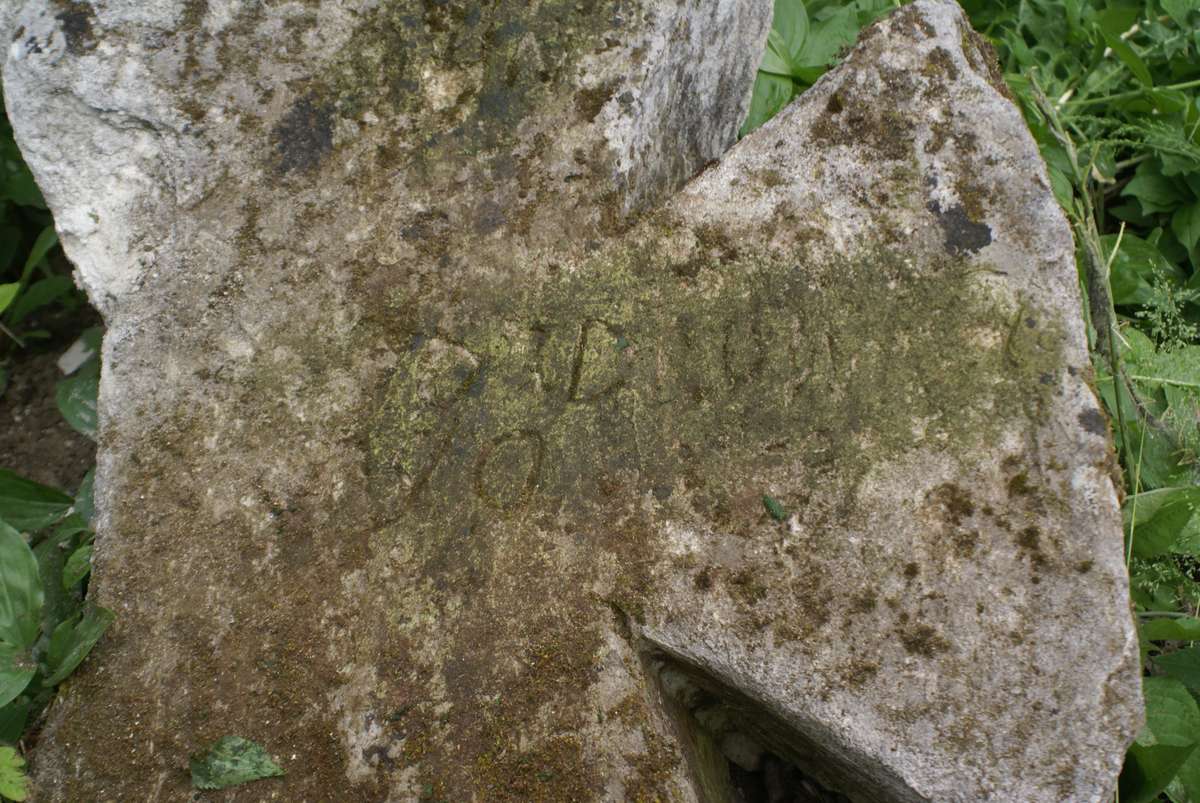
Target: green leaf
[
  {"x": 7, "y": 293},
  {"x": 78, "y": 566},
  {"x": 790, "y": 24},
  {"x": 46, "y": 240},
  {"x": 1186, "y": 786},
  {"x": 16, "y": 671},
  {"x": 76, "y": 396},
  {"x": 827, "y": 38},
  {"x": 13, "y": 783},
  {"x": 1178, "y": 9},
  {"x": 1183, "y": 665},
  {"x": 1154, "y": 191},
  {"x": 52, "y": 553},
  {"x": 73, "y": 640},
  {"x": 85, "y": 497},
  {"x": 21, "y": 595},
  {"x": 1186, "y": 224},
  {"x": 1062, "y": 186},
  {"x": 232, "y": 760},
  {"x": 1175, "y": 629},
  {"x": 27, "y": 505},
  {"x": 40, "y": 294},
  {"x": 1167, "y": 741},
  {"x": 1112, "y": 23},
  {"x": 13, "y": 718},
  {"x": 1130, "y": 58},
  {"x": 1157, "y": 519},
  {"x": 776, "y": 59},
  {"x": 774, "y": 508},
  {"x": 771, "y": 93}
]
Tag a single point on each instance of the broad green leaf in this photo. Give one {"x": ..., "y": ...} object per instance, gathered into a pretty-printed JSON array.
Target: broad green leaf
[
  {"x": 85, "y": 497},
  {"x": 78, "y": 566},
  {"x": 72, "y": 641},
  {"x": 790, "y": 23},
  {"x": 232, "y": 760},
  {"x": 1183, "y": 665},
  {"x": 1178, "y": 9},
  {"x": 39, "y": 294},
  {"x": 16, "y": 670},
  {"x": 1157, "y": 519},
  {"x": 13, "y": 718},
  {"x": 76, "y": 396},
  {"x": 771, "y": 93},
  {"x": 1180, "y": 629},
  {"x": 1186, "y": 224},
  {"x": 21, "y": 595},
  {"x": 827, "y": 37},
  {"x": 1154, "y": 191},
  {"x": 72, "y": 524},
  {"x": 13, "y": 783},
  {"x": 27, "y": 505},
  {"x": 776, "y": 59},
  {"x": 1166, "y": 742},
  {"x": 8, "y": 292},
  {"x": 1185, "y": 788}
]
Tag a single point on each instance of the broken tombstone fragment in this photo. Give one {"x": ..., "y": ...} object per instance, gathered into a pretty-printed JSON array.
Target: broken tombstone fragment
[{"x": 443, "y": 396}]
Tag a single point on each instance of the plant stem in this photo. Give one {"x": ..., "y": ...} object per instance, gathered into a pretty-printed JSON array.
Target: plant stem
[
  {"x": 11, "y": 334},
  {"x": 1133, "y": 93}
]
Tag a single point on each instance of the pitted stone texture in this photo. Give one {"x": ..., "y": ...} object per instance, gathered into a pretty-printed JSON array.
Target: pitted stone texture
[{"x": 436, "y": 432}]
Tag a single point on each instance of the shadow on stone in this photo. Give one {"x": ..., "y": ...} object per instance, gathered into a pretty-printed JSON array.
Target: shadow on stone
[{"x": 740, "y": 752}]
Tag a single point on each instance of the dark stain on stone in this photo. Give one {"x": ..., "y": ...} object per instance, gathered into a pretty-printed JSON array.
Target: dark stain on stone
[
  {"x": 1019, "y": 485},
  {"x": 76, "y": 20},
  {"x": 955, "y": 502},
  {"x": 304, "y": 136},
  {"x": 940, "y": 64},
  {"x": 1093, "y": 421},
  {"x": 1028, "y": 538},
  {"x": 922, "y": 640},
  {"x": 963, "y": 235},
  {"x": 911, "y": 570},
  {"x": 865, "y": 602},
  {"x": 489, "y": 216},
  {"x": 589, "y": 102}
]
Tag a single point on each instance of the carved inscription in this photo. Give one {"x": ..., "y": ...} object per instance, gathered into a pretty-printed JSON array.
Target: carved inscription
[{"x": 642, "y": 383}]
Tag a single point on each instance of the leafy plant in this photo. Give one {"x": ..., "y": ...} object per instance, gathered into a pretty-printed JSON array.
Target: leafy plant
[
  {"x": 46, "y": 626},
  {"x": 28, "y": 244},
  {"x": 231, "y": 761},
  {"x": 13, "y": 783},
  {"x": 806, "y": 39}
]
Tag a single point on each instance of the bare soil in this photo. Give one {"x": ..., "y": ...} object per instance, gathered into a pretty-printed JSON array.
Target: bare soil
[{"x": 35, "y": 440}]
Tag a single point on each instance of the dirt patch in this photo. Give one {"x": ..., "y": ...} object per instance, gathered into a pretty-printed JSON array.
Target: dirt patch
[{"x": 35, "y": 440}]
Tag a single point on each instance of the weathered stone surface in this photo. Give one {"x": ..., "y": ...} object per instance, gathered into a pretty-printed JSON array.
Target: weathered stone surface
[{"x": 436, "y": 433}]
